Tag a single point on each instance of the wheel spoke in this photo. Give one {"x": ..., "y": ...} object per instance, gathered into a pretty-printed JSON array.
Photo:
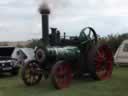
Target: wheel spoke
[
  {"x": 89, "y": 34},
  {"x": 61, "y": 75},
  {"x": 31, "y": 73},
  {"x": 103, "y": 63}
]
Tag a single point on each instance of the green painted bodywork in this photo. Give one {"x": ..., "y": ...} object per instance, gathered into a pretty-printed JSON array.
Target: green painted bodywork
[{"x": 68, "y": 52}]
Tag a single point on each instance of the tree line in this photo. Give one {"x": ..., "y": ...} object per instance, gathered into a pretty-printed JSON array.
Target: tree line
[{"x": 113, "y": 41}]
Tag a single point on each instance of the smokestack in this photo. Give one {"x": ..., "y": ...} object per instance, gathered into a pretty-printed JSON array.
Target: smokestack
[{"x": 45, "y": 11}]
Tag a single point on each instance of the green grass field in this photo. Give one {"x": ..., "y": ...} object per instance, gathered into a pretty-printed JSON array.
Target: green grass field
[{"x": 116, "y": 86}]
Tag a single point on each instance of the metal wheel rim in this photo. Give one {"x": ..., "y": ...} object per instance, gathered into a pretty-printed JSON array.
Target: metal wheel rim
[
  {"x": 63, "y": 75},
  {"x": 104, "y": 61},
  {"x": 31, "y": 73}
]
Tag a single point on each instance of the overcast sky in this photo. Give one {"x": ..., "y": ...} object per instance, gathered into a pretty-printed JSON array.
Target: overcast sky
[{"x": 20, "y": 19}]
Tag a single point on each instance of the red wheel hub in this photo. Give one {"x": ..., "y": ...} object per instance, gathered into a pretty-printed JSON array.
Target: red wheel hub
[
  {"x": 104, "y": 61},
  {"x": 62, "y": 75}
]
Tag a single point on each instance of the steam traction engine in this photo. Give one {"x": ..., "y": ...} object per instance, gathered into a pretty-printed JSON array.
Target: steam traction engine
[{"x": 62, "y": 59}]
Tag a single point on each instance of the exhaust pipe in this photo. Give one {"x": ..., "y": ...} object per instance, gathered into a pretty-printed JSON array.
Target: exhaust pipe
[{"x": 45, "y": 11}]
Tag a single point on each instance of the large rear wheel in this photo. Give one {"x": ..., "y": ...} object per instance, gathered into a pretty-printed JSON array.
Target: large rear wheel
[
  {"x": 100, "y": 62},
  {"x": 61, "y": 75}
]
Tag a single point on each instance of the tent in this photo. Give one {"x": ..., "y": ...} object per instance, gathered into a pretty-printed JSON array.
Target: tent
[{"x": 121, "y": 55}]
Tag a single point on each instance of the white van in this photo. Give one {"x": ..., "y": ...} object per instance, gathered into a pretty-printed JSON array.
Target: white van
[{"x": 121, "y": 55}]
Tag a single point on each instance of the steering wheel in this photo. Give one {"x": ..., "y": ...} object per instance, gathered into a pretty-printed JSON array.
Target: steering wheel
[{"x": 88, "y": 34}]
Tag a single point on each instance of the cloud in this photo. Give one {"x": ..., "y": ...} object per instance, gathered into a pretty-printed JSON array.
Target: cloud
[
  {"x": 20, "y": 20},
  {"x": 104, "y": 25}
]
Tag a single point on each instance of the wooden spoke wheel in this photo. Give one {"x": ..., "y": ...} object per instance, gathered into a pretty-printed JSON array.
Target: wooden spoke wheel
[
  {"x": 61, "y": 75},
  {"x": 101, "y": 62},
  {"x": 31, "y": 73}
]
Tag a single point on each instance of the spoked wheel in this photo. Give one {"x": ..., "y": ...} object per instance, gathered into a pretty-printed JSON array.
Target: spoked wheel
[
  {"x": 61, "y": 75},
  {"x": 104, "y": 61},
  {"x": 88, "y": 34},
  {"x": 101, "y": 62},
  {"x": 31, "y": 73}
]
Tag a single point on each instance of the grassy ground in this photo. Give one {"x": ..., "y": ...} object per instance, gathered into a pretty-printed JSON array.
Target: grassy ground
[{"x": 116, "y": 86}]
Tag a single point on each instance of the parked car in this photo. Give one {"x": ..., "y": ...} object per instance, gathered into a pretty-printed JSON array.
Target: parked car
[
  {"x": 7, "y": 62},
  {"x": 121, "y": 55},
  {"x": 24, "y": 55}
]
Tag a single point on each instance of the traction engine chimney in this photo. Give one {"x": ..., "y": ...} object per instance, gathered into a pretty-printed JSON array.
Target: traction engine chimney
[{"x": 45, "y": 11}]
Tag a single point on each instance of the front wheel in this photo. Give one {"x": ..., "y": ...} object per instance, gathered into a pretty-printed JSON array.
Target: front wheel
[
  {"x": 31, "y": 73},
  {"x": 61, "y": 75}
]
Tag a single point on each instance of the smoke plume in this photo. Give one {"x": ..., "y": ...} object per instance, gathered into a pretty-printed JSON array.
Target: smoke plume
[{"x": 54, "y": 5}]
